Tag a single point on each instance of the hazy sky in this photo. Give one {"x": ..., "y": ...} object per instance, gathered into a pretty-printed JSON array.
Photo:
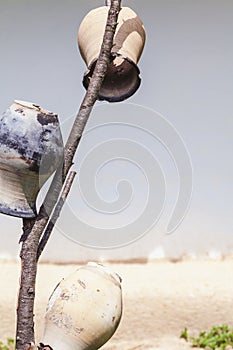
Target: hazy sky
[{"x": 187, "y": 78}]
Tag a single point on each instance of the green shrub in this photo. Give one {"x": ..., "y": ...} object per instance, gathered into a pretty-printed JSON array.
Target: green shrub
[
  {"x": 218, "y": 338},
  {"x": 10, "y": 344}
]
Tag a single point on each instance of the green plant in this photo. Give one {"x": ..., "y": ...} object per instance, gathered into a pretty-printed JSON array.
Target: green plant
[
  {"x": 10, "y": 344},
  {"x": 184, "y": 334},
  {"x": 218, "y": 338}
]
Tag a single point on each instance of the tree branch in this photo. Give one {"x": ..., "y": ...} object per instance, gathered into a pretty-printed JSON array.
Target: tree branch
[
  {"x": 56, "y": 213},
  {"x": 33, "y": 228}
]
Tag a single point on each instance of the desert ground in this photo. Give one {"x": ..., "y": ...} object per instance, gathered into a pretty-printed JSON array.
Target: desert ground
[{"x": 160, "y": 299}]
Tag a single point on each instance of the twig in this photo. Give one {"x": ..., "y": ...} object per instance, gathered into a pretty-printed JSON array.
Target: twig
[
  {"x": 35, "y": 227},
  {"x": 56, "y": 213}
]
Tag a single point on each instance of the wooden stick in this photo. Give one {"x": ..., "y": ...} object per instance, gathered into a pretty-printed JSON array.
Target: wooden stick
[
  {"x": 35, "y": 227},
  {"x": 56, "y": 213}
]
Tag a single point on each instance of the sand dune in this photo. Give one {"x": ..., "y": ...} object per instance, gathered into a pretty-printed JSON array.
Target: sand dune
[{"x": 160, "y": 299}]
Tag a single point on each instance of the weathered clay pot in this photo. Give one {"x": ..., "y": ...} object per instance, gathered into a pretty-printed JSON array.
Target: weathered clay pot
[
  {"x": 84, "y": 310},
  {"x": 122, "y": 78},
  {"x": 31, "y": 148}
]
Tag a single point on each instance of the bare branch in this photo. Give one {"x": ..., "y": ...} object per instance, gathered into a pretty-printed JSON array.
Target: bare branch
[
  {"x": 56, "y": 213},
  {"x": 35, "y": 227}
]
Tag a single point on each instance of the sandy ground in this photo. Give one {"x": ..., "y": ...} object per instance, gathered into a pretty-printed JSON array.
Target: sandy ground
[{"x": 160, "y": 299}]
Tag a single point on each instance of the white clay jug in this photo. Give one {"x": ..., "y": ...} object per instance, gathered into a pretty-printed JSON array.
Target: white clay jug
[
  {"x": 122, "y": 78},
  {"x": 84, "y": 310}
]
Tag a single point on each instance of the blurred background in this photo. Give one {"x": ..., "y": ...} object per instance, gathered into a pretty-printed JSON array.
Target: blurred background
[{"x": 187, "y": 77}]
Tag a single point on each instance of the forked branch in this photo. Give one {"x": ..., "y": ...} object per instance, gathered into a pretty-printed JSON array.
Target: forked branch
[{"x": 34, "y": 228}]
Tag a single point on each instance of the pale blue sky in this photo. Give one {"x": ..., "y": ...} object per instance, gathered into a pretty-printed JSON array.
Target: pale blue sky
[{"x": 187, "y": 76}]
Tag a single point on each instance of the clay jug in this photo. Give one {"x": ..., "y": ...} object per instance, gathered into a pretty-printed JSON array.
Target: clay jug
[
  {"x": 122, "y": 78},
  {"x": 31, "y": 148},
  {"x": 84, "y": 310}
]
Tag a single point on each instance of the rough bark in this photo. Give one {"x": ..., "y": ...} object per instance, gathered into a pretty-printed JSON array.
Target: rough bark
[{"x": 34, "y": 228}]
